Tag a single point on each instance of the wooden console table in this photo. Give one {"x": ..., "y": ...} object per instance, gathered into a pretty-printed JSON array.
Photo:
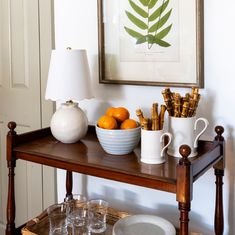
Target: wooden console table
[{"x": 87, "y": 157}]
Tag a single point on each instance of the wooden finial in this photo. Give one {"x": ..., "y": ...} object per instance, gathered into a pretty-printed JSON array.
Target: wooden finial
[
  {"x": 219, "y": 131},
  {"x": 11, "y": 126},
  {"x": 185, "y": 151}
]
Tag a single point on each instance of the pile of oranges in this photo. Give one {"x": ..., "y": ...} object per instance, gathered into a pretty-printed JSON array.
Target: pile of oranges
[{"x": 116, "y": 118}]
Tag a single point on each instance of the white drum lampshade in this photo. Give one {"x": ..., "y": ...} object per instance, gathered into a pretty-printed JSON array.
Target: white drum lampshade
[{"x": 68, "y": 81}]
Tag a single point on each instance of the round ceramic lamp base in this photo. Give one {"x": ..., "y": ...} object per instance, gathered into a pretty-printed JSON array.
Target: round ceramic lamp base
[{"x": 69, "y": 123}]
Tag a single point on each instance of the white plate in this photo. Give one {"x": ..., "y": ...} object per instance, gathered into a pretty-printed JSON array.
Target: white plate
[{"x": 143, "y": 225}]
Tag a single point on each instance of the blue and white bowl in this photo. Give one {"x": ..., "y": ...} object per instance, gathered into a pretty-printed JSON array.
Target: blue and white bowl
[{"x": 118, "y": 142}]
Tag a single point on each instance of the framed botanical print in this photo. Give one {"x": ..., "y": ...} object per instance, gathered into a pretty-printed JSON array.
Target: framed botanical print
[{"x": 151, "y": 42}]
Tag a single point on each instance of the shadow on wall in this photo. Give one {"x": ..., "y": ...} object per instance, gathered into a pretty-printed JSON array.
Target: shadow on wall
[
  {"x": 206, "y": 110},
  {"x": 94, "y": 109},
  {"x": 230, "y": 166},
  {"x": 112, "y": 91},
  {"x": 84, "y": 184},
  {"x": 129, "y": 203}
]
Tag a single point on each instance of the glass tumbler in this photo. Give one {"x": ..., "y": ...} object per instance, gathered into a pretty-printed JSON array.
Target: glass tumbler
[
  {"x": 57, "y": 219},
  {"x": 76, "y": 214},
  {"x": 97, "y": 211}
]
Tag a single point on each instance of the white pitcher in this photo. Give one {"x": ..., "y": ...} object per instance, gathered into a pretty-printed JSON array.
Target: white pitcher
[
  {"x": 184, "y": 132},
  {"x": 152, "y": 146}
]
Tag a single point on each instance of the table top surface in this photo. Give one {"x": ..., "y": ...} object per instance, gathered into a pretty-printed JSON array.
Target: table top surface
[{"x": 87, "y": 156}]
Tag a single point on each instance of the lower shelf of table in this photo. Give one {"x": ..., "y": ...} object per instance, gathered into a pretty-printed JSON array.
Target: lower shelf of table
[
  {"x": 42, "y": 226},
  {"x": 107, "y": 232},
  {"x": 22, "y": 230}
]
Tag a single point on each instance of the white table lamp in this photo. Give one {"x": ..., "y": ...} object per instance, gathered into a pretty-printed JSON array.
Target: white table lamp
[{"x": 68, "y": 81}]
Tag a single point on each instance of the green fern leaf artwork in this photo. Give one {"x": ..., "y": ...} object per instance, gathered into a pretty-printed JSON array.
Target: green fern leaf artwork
[{"x": 150, "y": 20}]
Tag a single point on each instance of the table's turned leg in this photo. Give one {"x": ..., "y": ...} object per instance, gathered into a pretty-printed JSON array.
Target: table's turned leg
[
  {"x": 10, "y": 228},
  {"x": 219, "y": 216},
  {"x": 184, "y": 188},
  {"x": 69, "y": 183},
  {"x": 184, "y": 217},
  {"x": 11, "y": 163},
  {"x": 219, "y": 173}
]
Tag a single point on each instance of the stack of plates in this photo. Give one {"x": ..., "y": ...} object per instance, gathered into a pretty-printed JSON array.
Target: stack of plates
[{"x": 143, "y": 225}]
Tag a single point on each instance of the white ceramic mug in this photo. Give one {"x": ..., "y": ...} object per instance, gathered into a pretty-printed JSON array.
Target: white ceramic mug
[
  {"x": 152, "y": 146},
  {"x": 184, "y": 132}
]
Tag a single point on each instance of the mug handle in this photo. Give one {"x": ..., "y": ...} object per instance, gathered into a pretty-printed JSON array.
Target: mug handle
[
  {"x": 203, "y": 130},
  {"x": 162, "y": 139}
]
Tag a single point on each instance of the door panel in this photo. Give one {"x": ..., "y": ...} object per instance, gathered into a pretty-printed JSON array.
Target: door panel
[
  {"x": 22, "y": 73},
  {"x": 21, "y": 67}
]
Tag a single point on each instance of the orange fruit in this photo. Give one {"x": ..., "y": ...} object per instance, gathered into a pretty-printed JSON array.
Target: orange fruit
[
  {"x": 107, "y": 122},
  {"x": 121, "y": 114},
  {"x": 109, "y": 111},
  {"x": 129, "y": 124}
]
